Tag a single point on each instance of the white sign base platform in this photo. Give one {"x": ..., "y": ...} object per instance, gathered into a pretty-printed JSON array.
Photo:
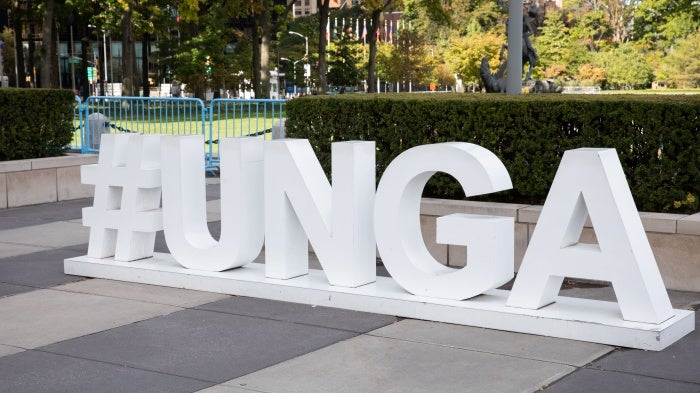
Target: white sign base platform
[{"x": 569, "y": 318}]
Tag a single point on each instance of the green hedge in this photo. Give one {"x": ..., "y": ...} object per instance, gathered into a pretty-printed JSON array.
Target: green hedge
[
  {"x": 35, "y": 122},
  {"x": 656, "y": 136}
]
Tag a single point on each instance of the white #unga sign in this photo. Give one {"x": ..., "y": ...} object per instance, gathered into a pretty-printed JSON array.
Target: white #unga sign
[{"x": 275, "y": 193}]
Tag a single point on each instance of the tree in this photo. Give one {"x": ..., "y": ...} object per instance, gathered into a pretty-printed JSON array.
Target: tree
[
  {"x": 625, "y": 67},
  {"x": 8, "y": 54},
  {"x": 560, "y": 52},
  {"x": 345, "y": 61},
  {"x": 374, "y": 10},
  {"x": 49, "y": 72},
  {"x": 683, "y": 62},
  {"x": 659, "y": 23},
  {"x": 406, "y": 60},
  {"x": 323, "y": 35},
  {"x": 475, "y": 16},
  {"x": 465, "y": 53}
]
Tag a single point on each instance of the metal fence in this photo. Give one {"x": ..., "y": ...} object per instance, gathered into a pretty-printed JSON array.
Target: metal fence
[{"x": 222, "y": 118}]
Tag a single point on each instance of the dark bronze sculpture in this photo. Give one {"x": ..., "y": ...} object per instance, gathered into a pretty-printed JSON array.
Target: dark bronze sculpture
[{"x": 495, "y": 82}]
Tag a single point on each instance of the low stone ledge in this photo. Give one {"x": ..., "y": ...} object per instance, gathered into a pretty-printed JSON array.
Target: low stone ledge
[
  {"x": 64, "y": 161},
  {"x": 674, "y": 238},
  {"x": 661, "y": 222},
  {"x": 3, "y": 191},
  {"x": 441, "y": 207},
  {"x": 15, "y": 166},
  {"x": 43, "y": 180},
  {"x": 689, "y": 225},
  {"x": 31, "y": 187},
  {"x": 529, "y": 214}
]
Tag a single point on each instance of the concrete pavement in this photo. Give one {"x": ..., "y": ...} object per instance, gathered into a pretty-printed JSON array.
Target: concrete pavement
[{"x": 62, "y": 333}]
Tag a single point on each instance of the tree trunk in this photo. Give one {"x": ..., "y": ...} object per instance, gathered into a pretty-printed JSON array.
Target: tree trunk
[
  {"x": 265, "y": 30},
  {"x": 372, "y": 63},
  {"x": 31, "y": 46},
  {"x": 84, "y": 81},
  {"x": 144, "y": 64},
  {"x": 48, "y": 48},
  {"x": 19, "y": 48},
  {"x": 255, "y": 39},
  {"x": 101, "y": 68},
  {"x": 128, "y": 56},
  {"x": 323, "y": 12}
]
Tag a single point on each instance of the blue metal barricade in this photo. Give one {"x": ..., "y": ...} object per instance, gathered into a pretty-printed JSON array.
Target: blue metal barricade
[
  {"x": 78, "y": 121},
  {"x": 230, "y": 118},
  {"x": 223, "y": 118}
]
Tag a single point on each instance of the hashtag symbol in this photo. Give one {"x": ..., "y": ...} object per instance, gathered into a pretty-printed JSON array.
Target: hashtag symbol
[{"x": 125, "y": 214}]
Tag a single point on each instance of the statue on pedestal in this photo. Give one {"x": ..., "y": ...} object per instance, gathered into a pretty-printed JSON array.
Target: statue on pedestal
[{"x": 495, "y": 82}]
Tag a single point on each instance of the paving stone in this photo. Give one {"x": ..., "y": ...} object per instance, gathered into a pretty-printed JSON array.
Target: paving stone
[
  {"x": 178, "y": 297},
  {"x": 6, "y": 350},
  {"x": 679, "y": 299},
  {"x": 556, "y": 350},
  {"x": 162, "y": 246},
  {"x": 373, "y": 364},
  {"x": 679, "y": 362},
  {"x": 36, "y": 372},
  {"x": 8, "y": 250},
  {"x": 12, "y": 289},
  {"x": 226, "y": 389},
  {"x": 54, "y": 235},
  {"x": 213, "y": 189},
  {"x": 41, "y": 269},
  {"x": 587, "y": 381},
  {"x": 201, "y": 344},
  {"x": 46, "y": 316},
  {"x": 354, "y": 321},
  {"x": 41, "y": 214}
]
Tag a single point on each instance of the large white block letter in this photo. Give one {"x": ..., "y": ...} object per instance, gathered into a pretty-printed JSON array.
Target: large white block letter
[
  {"x": 126, "y": 214},
  {"x": 184, "y": 202},
  {"x": 397, "y": 222},
  {"x": 591, "y": 182},
  {"x": 300, "y": 206}
]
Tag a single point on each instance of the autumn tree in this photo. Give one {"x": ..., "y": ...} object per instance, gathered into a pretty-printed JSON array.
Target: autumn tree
[
  {"x": 683, "y": 62},
  {"x": 464, "y": 53}
]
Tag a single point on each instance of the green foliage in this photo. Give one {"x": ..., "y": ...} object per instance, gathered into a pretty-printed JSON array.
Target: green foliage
[
  {"x": 683, "y": 62},
  {"x": 407, "y": 59},
  {"x": 561, "y": 53},
  {"x": 656, "y": 137},
  {"x": 35, "y": 123},
  {"x": 345, "y": 61},
  {"x": 465, "y": 53},
  {"x": 625, "y": 66}
]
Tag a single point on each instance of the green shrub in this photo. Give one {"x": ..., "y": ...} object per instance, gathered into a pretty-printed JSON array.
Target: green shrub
[
  {"x": 656, "y": 136},
  {"x": 35, "y": 122}
]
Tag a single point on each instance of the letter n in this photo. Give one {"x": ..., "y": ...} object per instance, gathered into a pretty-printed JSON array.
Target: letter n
[
  {"x": 591, "y": 182},
  {"x": 301, "y": 207}
]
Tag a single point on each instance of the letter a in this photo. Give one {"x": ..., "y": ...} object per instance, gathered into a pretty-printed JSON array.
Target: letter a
[{"x": 591, "y": 182}]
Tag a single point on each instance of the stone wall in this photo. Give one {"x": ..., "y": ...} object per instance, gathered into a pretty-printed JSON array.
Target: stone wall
[
  {"x": 42, "y": 180},
  {"x": 674, "y": 238}
]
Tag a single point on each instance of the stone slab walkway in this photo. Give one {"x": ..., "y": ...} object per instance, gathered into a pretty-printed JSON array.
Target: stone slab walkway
[{"x": 62, "y": 333}]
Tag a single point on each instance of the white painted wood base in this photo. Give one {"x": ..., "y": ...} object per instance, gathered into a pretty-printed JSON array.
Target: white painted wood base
[{"x": 569, "y": 318}]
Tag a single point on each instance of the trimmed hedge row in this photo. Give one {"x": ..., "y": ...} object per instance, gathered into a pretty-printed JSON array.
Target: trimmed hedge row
[
  {"x": 656, "y": 136},
  {"x": 35, "y": 123}
]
